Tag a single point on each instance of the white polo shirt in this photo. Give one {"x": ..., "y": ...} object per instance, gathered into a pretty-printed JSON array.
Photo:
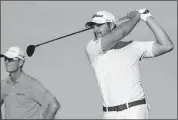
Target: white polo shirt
[{"x": 117, "y": 70}]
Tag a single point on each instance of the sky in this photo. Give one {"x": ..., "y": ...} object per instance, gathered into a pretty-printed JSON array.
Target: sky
[{"x": 62, "y": 66}]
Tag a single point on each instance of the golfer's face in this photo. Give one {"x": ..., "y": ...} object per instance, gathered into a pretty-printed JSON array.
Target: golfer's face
[
  {"x": 12, "y": 64},
  {"x": 100, "y": 30}
]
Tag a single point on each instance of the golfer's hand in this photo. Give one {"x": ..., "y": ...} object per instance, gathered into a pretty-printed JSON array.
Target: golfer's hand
[
  {"x": 133, "y": 14},
  {"x": 144, "y": 14}
]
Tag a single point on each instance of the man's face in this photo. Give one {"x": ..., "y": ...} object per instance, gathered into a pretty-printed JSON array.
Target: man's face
[
  {"x": 11, "y": 64},
  {"x": 100, "y": 30}
]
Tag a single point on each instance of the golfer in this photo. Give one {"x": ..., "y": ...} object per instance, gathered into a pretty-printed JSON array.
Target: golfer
[
  {"x": 23, "y": 96},
  {"x": 115, "y": 62}
]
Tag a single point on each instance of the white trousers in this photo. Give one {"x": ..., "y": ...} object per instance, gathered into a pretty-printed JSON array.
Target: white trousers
[{"x": 136, "y": 112}]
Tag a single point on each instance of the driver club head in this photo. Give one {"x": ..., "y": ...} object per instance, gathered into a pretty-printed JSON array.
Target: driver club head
[{"x": 30, "y": 50}]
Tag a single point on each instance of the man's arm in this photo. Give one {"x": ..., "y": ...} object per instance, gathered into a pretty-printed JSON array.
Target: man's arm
[
  {"x": 52, "y": 109},
  {"x": 45, "y": 99},
  {"x": 1, "y": 106},
  {"x": 109, "y": 40},
  {"x": 2, "y": 94},
  {"x": 163, "y": 43}
]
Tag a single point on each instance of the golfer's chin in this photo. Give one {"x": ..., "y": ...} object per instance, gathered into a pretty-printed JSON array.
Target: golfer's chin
[
  {"x": 99, "y": 36},
  {"x": 7, "y": 70},
  {"x": 10, "y": 70}
]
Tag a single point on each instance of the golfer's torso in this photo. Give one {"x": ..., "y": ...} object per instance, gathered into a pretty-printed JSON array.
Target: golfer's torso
[
  {"x": 117, "y": 72},
  {"x": 18, "y": 101}
]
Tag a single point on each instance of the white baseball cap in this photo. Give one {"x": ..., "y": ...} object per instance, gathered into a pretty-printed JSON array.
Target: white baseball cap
[
  {"x": 101, "y": 17},
  {"x": 14, "y": 52}
]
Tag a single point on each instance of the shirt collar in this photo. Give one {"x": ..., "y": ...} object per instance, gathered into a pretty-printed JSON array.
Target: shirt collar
[{"x": 19, "y": 79}]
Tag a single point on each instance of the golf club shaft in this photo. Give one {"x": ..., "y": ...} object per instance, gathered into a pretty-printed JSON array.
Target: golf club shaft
[
  {"x": 123, "y": 18},
  {"x": 63, "y": 37}
]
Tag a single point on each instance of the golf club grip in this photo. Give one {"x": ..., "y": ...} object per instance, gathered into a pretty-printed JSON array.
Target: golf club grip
[{"x": 63, "y": 37}]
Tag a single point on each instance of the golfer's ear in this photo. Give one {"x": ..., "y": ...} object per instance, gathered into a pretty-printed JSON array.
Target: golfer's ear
[
  {"x": 21, "y": 62},
  {"x": 112, "y": 25}
]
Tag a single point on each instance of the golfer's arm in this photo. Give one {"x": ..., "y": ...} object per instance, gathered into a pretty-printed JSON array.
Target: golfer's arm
[
  {"x": 109, "y": 40},
  {"x": 163, "y": 43},
  {"x": 52, "y": 109}
]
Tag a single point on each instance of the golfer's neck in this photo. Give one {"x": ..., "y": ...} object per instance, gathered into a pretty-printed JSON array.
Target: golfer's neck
[
  {"x": 97, "y": 39},
  {"x": 15, "y": 75}
]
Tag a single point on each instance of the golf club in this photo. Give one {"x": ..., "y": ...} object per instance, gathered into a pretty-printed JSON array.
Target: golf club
[{"x": 31, "y": 48}]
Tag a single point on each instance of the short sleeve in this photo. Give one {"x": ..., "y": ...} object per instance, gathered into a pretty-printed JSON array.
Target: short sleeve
[
  {"x": 93, "y": 50},
  {"x": 41, "y": 94},
  {"x": 145, "y": 48}
]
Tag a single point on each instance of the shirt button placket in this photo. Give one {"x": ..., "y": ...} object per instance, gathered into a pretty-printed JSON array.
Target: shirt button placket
[{"x": 13, "y": 91}]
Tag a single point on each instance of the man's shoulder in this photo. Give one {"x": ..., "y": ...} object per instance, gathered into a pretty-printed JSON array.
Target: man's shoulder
[
  {"x": 89, "y": 43},
  {"x": 94, "y": 45},
  {"x": 30, "y": 79},
  {"x": 90, "y": 46},
  {"x": 93, "y": 49}
]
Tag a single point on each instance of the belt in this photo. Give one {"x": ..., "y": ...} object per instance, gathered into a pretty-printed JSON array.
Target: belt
[{"x": 124, "y": 106}]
